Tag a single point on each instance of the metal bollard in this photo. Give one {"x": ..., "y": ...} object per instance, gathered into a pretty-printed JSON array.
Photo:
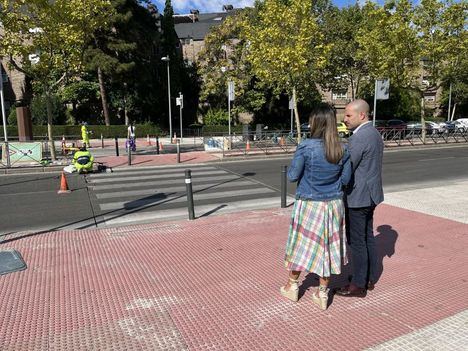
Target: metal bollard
[
  {"x": 102, "y": 141},
  {"x": 178, "y": 151},
  {"x": 129, "y": 155},
  {"x": 157, "y": 145},
  {"x": 116, "y": 147},
  {"x": 284, "y": 185},
  {"x": 188, "y": 185}
]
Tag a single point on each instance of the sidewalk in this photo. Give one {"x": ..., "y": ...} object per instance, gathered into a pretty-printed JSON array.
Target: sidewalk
[{"x": 212, "y": 284}]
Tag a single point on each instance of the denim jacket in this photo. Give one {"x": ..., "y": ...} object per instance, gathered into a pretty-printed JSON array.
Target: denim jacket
[{"x": 317, "y": 178}]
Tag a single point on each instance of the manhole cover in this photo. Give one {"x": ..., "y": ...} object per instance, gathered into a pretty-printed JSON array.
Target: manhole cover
[{"x": 11, "y": 261}]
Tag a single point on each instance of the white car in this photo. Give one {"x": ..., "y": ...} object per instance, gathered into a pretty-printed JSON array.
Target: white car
[
  {"x": 462, "y": 121},
  {"x": 436, "y": 128}
]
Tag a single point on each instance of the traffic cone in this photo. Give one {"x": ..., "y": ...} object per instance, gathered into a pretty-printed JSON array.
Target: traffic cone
[
  {"x": 148, "y": 140},
  {"x": 161, "y": 146},
  {"x": 63, "y": 185},
  {"x": 281, "y": 141},
  {"x": 247, "y": 146},
  {"x": 174, "y": 140}
]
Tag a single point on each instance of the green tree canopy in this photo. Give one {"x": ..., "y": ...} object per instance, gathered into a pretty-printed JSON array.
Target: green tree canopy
[{"x": 286, "y": 47}]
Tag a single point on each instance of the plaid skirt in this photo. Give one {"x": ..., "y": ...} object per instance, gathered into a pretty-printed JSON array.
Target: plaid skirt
[{"x": 316, "y": 237}]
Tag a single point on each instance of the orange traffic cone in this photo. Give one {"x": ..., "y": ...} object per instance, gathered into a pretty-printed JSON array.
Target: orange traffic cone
[
  {"x": 63, "y": 185},
  {"x": 148, "y": 140},
  {"x": 161, "y": 146},
  {"x": 247, "y": 146}
]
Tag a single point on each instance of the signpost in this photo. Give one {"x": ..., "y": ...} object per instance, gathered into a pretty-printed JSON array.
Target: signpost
[
  {"x": 291, "y": 108},
  {"x": 381, "y": 92},
  {"x": 5, "y": 134},
  {"x": 231, "y": 97},
  {"x": 180, "y": 102}
]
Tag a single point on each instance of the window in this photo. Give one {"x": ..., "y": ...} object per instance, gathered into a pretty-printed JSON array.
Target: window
[
  {"x": 340, "y": 95},
  {"x": 429, "y": 98}
]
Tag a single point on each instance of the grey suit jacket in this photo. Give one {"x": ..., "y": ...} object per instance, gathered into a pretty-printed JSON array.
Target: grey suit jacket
[{"x": 366, "y": 150}]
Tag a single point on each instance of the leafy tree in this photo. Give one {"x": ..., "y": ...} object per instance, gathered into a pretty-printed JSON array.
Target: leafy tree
[
  {"x": 216, "y": 117},
  {"x": 45, "y": 40},
  {"x": 225, "y": 50},
  {"x": 416, "y": 47},
  {"x": 107, "y": 53},
  {"x": 344, "y": 69},
  {"x": 286, "y": 47}
]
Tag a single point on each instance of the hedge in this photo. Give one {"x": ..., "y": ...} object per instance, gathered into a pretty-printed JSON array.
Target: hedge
[{"x": 141, "y": 130}]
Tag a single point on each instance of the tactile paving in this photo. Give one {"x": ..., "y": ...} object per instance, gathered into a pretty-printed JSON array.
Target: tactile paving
[{"x": 212, "y": 284}]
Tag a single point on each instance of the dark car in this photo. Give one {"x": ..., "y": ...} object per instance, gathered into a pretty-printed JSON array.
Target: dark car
[{"x": 396, "y": 124}]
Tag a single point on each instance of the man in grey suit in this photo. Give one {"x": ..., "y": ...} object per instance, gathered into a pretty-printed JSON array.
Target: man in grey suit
[{"x": 363, "y": 194}]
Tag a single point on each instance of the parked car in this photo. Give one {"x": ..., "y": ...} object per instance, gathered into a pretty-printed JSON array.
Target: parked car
[
  {"x": 305, "y": 127},
  {"x": 462, "y": 123},
  {"x": 414, "y": 127},
  {"x": 396, "y": 124},
  {"x": 434, "y": 128},
  {"x": 343, "y": 131}
]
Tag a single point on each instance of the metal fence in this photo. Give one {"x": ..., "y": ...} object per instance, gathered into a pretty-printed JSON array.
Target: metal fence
[{"x": 284, "y": 142}]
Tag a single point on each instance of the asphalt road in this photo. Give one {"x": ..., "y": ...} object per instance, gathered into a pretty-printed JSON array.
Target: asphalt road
[
  {"x": 402, "y": 169},
  {"x": 31, "y": 202}
]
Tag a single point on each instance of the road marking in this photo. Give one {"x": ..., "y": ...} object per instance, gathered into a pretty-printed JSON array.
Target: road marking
[
  {"x": 180, "y": 188},
  {"x": 182, "y": 213},
  {"x": 179, "y": 197},
  {"x": 155, "y": 176},
  {"x": 436, "y": 159}
]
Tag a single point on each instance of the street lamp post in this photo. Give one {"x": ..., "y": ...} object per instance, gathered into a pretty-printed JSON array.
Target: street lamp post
[
  {"x": 4, "y": 118},
  {"x": 167, "y": 59}
]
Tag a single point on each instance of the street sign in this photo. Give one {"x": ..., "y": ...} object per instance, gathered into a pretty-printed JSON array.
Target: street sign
[
  {"x": 23, "y": 152},
  {"x": 231, "y": 92},
  {"x": 382, "y": 90}
]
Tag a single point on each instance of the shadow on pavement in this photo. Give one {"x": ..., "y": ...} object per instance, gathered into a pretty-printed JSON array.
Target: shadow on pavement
[{"x": 385, "y": 242}]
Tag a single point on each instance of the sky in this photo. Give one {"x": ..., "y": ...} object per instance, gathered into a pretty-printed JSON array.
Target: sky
[{"x": 184, "y": 6}]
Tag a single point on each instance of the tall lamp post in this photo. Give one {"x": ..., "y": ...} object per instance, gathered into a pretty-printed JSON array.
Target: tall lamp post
[
  {"x": 167, "y": 59},
  {"x": 4, "y": 118}
]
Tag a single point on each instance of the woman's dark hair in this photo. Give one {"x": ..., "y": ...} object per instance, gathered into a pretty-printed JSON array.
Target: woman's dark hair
[{"x": 322, "y": 121}]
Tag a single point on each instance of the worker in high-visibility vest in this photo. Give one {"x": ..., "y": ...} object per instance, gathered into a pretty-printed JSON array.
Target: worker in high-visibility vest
[
  {"x": 83, "y": 161},
  {"x": 85, "y": 135}
]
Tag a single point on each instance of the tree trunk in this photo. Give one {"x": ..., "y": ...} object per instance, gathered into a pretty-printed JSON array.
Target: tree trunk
[
  {"x": 49, "y": 127},
  {"x": 453, "y": 111},
  {"x": 296, "y": 113},
  {"x": 353, "y": 94},
  {"x": 102, "y": 89},
  {"x": 423, "y": 121}
]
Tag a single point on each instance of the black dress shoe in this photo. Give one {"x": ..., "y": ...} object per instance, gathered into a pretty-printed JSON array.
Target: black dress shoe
[{"x": 351, "y": 290}]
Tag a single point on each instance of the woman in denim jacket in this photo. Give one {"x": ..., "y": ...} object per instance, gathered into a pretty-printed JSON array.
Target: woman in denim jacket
[{"x": 321, "y": 167}]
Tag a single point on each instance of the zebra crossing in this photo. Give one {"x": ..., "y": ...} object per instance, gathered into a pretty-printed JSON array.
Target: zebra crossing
[{"x": 141, "y": 195}]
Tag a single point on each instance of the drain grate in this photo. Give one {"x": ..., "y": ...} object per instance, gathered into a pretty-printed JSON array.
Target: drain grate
[{"x": 11, "y": 261}]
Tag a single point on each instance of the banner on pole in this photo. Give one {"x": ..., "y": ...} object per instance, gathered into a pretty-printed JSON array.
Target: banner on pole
[
  {"x": 382, "y": 89},
  {"x": 291, "y": 104},
  {"x": 231, "y": 92}
]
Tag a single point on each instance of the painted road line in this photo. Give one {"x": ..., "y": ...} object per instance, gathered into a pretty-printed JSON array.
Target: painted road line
[
  {"x": 181, "y": 188},
  {"x": 180, "y": 197},
  {"x": 149, "y": 171},
  {"x": 155, "y": 176},
  {"x": 202, "y": 210}
]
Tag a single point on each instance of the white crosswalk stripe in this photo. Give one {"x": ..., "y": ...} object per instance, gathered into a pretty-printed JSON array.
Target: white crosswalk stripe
[{"x": 156, "y": 194}]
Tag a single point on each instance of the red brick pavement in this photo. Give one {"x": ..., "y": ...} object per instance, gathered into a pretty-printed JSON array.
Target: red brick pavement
[{"x": 212, "y": 284}]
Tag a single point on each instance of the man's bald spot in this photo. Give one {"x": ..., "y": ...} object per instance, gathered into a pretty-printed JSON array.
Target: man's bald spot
[{"x": 360, "y": 105}]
